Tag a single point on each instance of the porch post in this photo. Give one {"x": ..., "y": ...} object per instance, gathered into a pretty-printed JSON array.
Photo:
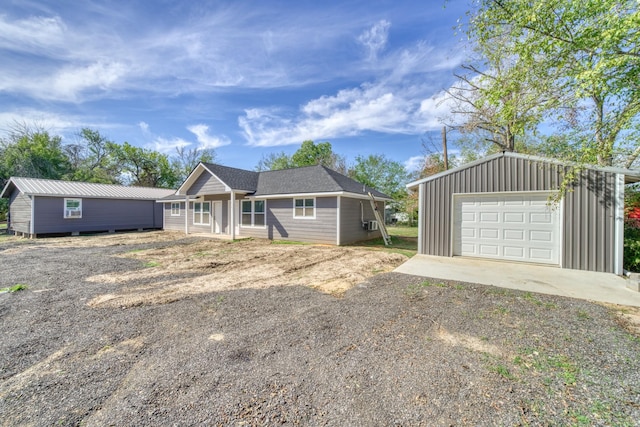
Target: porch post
[
  {"x": 232, "y": 220},
  {"x": 186, "y": 214}
]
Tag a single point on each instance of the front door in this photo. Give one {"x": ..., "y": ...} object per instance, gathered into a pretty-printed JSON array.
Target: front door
[{"x": 217, "y": 217}]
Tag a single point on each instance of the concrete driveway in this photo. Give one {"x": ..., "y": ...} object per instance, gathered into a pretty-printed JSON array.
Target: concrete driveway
[{"x": 601, "y": 287}]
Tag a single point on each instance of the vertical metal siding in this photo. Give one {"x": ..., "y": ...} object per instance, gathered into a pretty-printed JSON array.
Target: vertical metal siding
[{"x": 588, "y": 211}]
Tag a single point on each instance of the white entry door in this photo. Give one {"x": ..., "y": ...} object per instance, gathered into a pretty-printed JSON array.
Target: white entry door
[
  {"x": 217, "y": 217},
  {"x": 508, "y": 226}
]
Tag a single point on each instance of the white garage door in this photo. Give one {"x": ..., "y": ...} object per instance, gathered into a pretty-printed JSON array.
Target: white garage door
[{"x": 514, "y": 227}]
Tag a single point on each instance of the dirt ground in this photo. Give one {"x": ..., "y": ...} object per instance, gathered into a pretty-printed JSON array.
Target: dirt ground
[{"x": 158, "y": 329}]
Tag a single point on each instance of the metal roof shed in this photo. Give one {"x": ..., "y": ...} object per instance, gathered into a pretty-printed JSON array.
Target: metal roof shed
[
  {"x": 501, "y": 208},
  {"x": 44, "y": 206}
]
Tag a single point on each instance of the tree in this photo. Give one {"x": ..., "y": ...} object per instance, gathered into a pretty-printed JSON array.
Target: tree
[
  {"x": 143, "y": 167},
  {"x": 274, "y": 161},
  {"x": 186, "y": 160},
  {"x": 90, "y": 158},
  {"x": 590, "y": 52},
  {"x": 29, "y": 151},
  {"x": 381, "y": 173},
  {"x": 308, "y": 154}
]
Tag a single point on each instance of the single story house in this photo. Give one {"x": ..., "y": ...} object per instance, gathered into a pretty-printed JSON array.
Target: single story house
[
  {"x": 45, "y": 206},
  {"x": 500, "y": 208},
  {"x": 307, "y": 204}
]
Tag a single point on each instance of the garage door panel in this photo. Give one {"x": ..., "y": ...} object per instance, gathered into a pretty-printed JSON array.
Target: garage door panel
[
  {"x": 489, "y": 216},
  {"x": 510, "y": 234},
  {"x": 489, "y": 233},
  {"x": 517, "y": 227},
  {"x": 518, "y": 217}
]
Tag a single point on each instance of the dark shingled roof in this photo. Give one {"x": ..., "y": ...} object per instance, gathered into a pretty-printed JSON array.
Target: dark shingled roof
[
  {"x": 310, "y": 179},
  {"x": 237, "y": 179}
]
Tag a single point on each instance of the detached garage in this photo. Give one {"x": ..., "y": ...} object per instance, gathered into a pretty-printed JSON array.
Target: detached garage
[{"x": 500, "y": 208}]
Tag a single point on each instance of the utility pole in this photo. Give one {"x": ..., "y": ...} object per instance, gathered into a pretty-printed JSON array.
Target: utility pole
[{"x": 444, "y": 148}]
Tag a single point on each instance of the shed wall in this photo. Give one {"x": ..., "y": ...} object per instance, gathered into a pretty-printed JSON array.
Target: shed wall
[
  {"x": 588, "y": 240},
  {"x": 97, "y": 215},
  {"x": 173, "y": 222},
  {"x": 20, "y": 212}
]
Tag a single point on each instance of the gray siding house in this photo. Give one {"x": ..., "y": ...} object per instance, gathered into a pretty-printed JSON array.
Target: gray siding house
[
  {"x": 44, "y": 206},
  {"x": 310, "y": 204},
  {"x": 498, "y": 208}
]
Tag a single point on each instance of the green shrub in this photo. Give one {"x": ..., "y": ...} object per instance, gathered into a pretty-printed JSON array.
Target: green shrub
[{"x": 631, "y": 260}]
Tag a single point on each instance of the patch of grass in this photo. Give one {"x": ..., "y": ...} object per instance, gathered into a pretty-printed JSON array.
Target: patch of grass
[
  {"x": 201, "y": 254},
  {"x": 150, "y": 264},
  {"x": 583, "y": 315},
  {"x": 14, "y": 288},
  {"x": 3, "y": 225},
  {"x": 288, "y": 242},
  {"x": 528, "y": 296},
  {"x": 402, "y": 231},
  {"x": 502, "y": 370}
]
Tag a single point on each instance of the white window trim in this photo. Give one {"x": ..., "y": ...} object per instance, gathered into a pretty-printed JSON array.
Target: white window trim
[
  {"x": 253, "y": 213},
  {"x": 172, "y": 213},
  {"x": 65, "y": 212},
  {"x": 201, "y": 213},
  {"x": 305, "y": 208}
]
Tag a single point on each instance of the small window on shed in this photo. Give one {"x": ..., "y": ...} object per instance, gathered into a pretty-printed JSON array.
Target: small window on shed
[{"x": 73, "y": 208}]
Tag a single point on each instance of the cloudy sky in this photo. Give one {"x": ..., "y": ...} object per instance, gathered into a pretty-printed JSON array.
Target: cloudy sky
[{"x": 246, "y": 78}]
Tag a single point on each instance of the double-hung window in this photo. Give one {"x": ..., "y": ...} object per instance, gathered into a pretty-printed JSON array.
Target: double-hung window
[
  {"x": 72, "y": 208},
  {"x": 202, "y": 213},
  {"x": 175, "y": 209},
  {"x": 304, "y": 208},
  {"x": 253, "y": 213}
]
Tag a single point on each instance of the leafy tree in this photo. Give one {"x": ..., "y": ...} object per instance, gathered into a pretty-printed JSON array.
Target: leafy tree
[
  {"x": 381, "y": 173},
  {"x": 589, "y": 51},
  {"x": 90, "y": 158},
  {"x": 274, "y": 161},
  {"x": 308, "y": 154},
  {"x": 30, "y": 151},
  {"x": 143, "y": 167}
]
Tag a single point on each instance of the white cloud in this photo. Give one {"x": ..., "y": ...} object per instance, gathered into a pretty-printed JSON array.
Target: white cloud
[
  {"x": 167, "y": 146},
  {"x": 375, "y": 38},
  {"x": 414, "y": 163},
  {"x": 144, "y": 127},
  {"x": 207, "y": 141},
  {"x": 35, "y": 33}
]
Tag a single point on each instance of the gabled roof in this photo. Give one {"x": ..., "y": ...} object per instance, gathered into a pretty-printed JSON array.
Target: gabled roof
[
  {"x": 310, "y": 180},
  {"x": 236, "y": 179},
  {"x": 305, "y": 180},
  {"x": 55, "y": 188},
  {"x": 630, "y": 176}
]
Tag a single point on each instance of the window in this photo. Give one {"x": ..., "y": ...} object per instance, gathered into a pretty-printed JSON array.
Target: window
[
  {"x": 202, "y": 213},
  {"x": 175, "y": 209},
  {"x": 73, "y": 208},
  {"x": 304, "y": 208},
  {"x": 253, "y": 213}
]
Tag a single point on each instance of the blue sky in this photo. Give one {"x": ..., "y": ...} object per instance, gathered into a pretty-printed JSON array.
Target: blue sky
[{"x": 246, "y": 78}]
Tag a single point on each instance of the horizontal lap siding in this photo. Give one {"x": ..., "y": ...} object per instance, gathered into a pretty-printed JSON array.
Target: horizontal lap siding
[
  {"x": 173, "y": 222},
  {"x": 97, "y": 215},
  {"x": 206, "y": 184},
  {"x": 282, "y": 226},
  {"x": 351, "y": 214},
  {"x": 20, "y": 212}
]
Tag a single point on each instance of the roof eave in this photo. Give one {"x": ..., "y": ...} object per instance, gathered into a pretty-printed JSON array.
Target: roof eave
[{"x": 5, "y": 189}]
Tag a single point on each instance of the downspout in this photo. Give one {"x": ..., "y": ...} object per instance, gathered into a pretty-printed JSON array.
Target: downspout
[{"x": 618, "y": 235}]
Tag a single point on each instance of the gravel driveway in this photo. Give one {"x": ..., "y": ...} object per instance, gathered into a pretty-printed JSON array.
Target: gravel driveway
[{"x": 392, "y": 350}]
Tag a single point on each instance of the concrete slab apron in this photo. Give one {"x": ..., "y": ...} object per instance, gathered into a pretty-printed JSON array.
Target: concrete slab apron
[{"x": 601, "y": 287}]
